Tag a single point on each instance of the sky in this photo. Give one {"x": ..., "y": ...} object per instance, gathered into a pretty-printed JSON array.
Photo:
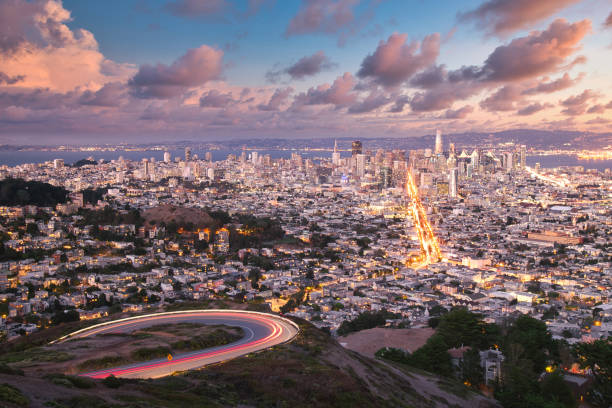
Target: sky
[{"x": 76, "y": 71}]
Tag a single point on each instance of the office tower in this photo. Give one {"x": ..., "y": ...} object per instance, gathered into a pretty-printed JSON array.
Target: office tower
[
  {"x": 385, "y": 177},
  {"x": 523, "y": 156},
  {"x": 356, "y": 148},
  {"x": 167, "y": 157},
  {"x": 187, "y": 154},
  {"x": 255, "y": 158},
  {"x": 58, "y": 163},
  {"x": 336, "y": 155},
  {"x": 508, "y": 162},
  {"x": 475, "y": 159},
  {"x": 146, "y": 168},
  {"x": 208, "y": 156},
  {"x": 361, "y": 164},
  {"x": 451, "y": 148},
  {"x": 438, "y": 147},
  {"x": 210, "y": 173},
  {"x": 452, "y": 183}
]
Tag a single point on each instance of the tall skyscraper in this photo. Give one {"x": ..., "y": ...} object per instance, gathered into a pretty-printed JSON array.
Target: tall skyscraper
[
  {"x": 167, "y": 157},
  {"x": 438, "y": 147},
  {"x": 452, "y": 182},
  {"x": 356, "y": 148},
  {"x": 336, "y": 154},
  {"x": 361, "y": 164},
  {"x": 523, "y": 156},
  {"x": 208, "y": 156},
  {"x": 187, "y": 154}
]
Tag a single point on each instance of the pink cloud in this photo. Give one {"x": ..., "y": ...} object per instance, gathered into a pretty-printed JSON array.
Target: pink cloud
[
  {"x": 196, "y": 67},
  {"x": 538, "y": 53},
  {"x": 460, "y": 113},
  {"x": 577, "y": 104},
  {"x": 505, "y": 16},
  {"x": 553, "y": 86},
  {"x": 339, "y": 93},
  {"x": 395, "y": 61},
  {"x": 276, "y": 100},
  {"x": 326, "y": 16}
]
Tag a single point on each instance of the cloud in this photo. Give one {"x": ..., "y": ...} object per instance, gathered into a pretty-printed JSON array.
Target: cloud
[
  {"x": 196, "y": 8},
  {"x": 503, "y": 99},
  {"x": 597, "y": 109},
  {"x": 394, "y": 61},
  {"x": 399, "y": 104},
  {"x": 276, "y": 100},
  {"x": 533, "y": 108},
  {"x": 460, "y": 113},
  {"x": 196, "y": 67},
  {"x": 216, "y": 99},
  {"x": 598, "y": 121},
  {"x": 304, "y": 67},
  {"x": 608, "y": 22},
  {"x": 111, "y": 94},
  {"x": 38, "y": 48},
  {"x": 372, "y": 102},
  {"x": 538, "y": 53},
  {"x": 553, "y": 86},
  {"x": 325, "y": 16},
  {"x": 442, "y": 97},
  {"x": 10, "y": 80},
  {"x": 339, "y": 93},
  {"x": 429, "y": 78},
  {"x": 308, "y": 66},
  {"x": 577, "y": 104},
  {"x": 502, "y": 17}
]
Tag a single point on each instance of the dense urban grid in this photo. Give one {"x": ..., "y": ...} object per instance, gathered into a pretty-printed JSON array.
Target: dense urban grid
[{"x": 400, "y": 236}]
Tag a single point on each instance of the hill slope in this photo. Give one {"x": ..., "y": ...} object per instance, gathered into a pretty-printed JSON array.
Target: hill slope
[{"x": 313, "y": 370}]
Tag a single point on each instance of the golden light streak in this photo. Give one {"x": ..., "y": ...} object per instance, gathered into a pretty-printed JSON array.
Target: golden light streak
[{"x": 430, "y": 250}]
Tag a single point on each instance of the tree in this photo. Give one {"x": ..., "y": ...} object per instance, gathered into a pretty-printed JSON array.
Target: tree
[
  {"x": 533, "y": 336},
  {"x": 433, "y": 357},
  {"x": 555, "y": 389},
  {"x": 470, "y": 369},
  {"x": 598, "y": 357}
]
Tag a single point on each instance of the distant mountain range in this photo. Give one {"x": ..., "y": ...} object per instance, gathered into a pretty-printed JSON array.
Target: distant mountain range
[{"x": 540, "y": 139}]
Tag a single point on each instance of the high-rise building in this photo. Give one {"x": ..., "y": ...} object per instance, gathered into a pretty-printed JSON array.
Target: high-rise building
[
  {"x": 452, "y": 182},
  {"x": 336, "y": 154},
  {"x": 361, "y": 164},
  {"x": 167, "y": 157},
  {"x": 187, "y": 154},
  {"x": 58, "y": 163},
  {"x": 255, "y": 158},
  {"x": 523, "y": 156},
  {"x": 438, "y": 146},
  {"x": 385, "y": 177},
  {"x": 208, "y": 156},
  {"x": 356, "y": 148}
]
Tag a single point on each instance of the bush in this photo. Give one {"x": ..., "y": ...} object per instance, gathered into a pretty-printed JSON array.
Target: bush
[
  {"x": 112, "y": 382},
  {"x": 12, "y": 395}
]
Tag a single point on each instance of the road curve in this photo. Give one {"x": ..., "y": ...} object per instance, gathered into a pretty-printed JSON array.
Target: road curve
[{"x": 262, "y": 330}]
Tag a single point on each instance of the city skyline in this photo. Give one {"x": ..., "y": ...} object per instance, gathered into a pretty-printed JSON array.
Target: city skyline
[{"x": 205, "y": 70}]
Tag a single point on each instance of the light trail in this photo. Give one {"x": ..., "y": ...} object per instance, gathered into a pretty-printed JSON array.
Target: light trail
[
  {"x": 558, "y": 182},
  {"x": 430, "y": 250},
  {"x": 266, "y": 330}
]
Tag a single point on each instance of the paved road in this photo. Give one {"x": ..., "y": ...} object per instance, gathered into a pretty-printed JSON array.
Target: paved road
[{"x": 261, "y": 330}]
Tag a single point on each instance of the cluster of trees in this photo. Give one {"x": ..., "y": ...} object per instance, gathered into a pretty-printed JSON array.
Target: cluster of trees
[
  {"x": 526, "y": 344},
  {"x": 110, "y": 216},
  {"x": 15, "y": 192},
  {"x": 366, "y": 320}
]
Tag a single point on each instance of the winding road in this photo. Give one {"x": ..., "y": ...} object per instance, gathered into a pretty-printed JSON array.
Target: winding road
[{"x": 262, "y": 330}]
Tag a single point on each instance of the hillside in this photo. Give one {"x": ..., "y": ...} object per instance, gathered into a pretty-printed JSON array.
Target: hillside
[
  {"x": 313, "y": 370},
  {"x": 179, "y": 215}
]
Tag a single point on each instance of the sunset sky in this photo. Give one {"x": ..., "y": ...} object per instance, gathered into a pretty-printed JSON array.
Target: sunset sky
[{"x": 137, "y": 70}]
